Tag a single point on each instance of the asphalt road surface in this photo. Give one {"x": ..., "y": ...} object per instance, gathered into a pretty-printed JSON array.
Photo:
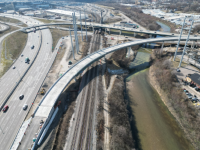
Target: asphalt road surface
[
  {"x": 8, "y": 81},
  {"x": 15, "y": 115}
]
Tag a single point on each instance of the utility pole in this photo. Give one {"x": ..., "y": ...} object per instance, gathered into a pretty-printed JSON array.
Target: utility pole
[
  {"x": 81, "y": 25},
  {"x": 85, "y": 25},
  {"x": 179, "y": 39},
  {"x": 71, "y": 42},
  {"x": 186, "y": 43}
]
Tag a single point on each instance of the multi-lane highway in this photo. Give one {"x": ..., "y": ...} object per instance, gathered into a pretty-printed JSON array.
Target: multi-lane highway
[
  {"x": 29, "y": 86},
  {"x": 13, "y": 76}
]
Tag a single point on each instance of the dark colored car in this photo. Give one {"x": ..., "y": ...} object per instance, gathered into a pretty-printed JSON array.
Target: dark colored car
[
  {"x": 5, "y": 108},
  {"x": 32, "y": 47},
  {"x": 69, "y": 63},
  {"x": 25, "y": 106},
  {"x": 21, "y": 97}
]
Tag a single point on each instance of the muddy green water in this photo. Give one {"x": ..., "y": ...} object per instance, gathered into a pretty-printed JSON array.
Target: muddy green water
[{"x": 154, "y": 128}]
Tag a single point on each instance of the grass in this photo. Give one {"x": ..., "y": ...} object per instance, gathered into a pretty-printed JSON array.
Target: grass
[
  {"x": 57, "y": 34},
  {"x": 12, "y": 28},
  {"x": 177, "y": 61},
  {"x": 15, "y": 44},
  {"x": 11, "y": 20},
  {"x": 105, "y": 6}
]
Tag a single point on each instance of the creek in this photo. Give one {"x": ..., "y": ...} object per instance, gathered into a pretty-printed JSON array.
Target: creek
[{"x": 153, "y": 126}]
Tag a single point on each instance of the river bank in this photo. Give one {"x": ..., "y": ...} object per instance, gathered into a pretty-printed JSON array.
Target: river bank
[
  {"x": 153, "y": 126},
  {"x": 165, "y": 99}
]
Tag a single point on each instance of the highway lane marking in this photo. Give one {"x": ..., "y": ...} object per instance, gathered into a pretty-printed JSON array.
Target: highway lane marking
[{"x": 20, "y": 111}]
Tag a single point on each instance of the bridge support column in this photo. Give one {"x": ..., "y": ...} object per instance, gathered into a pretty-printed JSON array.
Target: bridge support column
[
  {"x": 150, "y": 35},
  {"x": 120, "y": 32},
  {"x": 193, "y": 43},
  {"x": 162, "y": 47},
  {"x": 109, "y": 30},
  {"x": 135, "y": 34},
  {"x": 129, "y": 50},
  {"x": 93, "y": 29}
]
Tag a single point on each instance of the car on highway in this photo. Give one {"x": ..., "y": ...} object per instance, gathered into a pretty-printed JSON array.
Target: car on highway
[
  {"x": 21, "y": 97},
  {"x": 22, "y": 55},
  {"x": 27, "y": 60},
  {"x": 25, "y": 106},
  {"x": 14, "y": 67},
  {"x": 62, "y": 37},
  {"x": 5, "y": 108},
  {"x": 178, "y": 70},
  {"x": 32, "y": 47},
  {"x": 69, "y": 63}
]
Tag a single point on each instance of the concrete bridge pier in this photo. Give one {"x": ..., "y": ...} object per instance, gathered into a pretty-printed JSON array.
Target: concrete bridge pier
[
  {"x": 150, "y": 36},
  {"x": 109, "y": 30},
  {"x": 193, "y": 44},
  {"x": 120, "y": 32},
  {"x": 129, "y": 50},
  {"x": 135, "y": 34},
  {"x": 162, "y": 47}
]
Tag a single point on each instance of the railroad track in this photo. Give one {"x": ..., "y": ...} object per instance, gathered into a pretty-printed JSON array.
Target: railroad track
[{"x": 83, "y": 133}]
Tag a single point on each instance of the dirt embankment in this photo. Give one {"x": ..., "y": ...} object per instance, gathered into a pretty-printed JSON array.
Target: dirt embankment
[
  {"x": 164, "y": 81},
  {"x": 120, "y": 130}
]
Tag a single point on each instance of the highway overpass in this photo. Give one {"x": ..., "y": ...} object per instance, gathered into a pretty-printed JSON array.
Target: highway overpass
[
  {"x": 106, "y": 26},
  {"x": 51, "y": 97}
]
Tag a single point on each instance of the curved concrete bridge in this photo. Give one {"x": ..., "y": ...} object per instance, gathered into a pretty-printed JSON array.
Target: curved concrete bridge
[{"x": 50, "y": 98}]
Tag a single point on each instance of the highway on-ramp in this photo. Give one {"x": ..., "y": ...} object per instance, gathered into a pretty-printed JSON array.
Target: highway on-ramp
[{"x": 29, "y": 86}]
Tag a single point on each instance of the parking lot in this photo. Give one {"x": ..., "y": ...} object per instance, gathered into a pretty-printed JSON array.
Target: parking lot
[{"x": 184, "y": 71}]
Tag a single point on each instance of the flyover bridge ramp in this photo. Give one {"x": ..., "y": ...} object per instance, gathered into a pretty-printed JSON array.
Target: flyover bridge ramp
[
  {"x": 52, "y": 95},
  {"x": 96, "y": 25}
]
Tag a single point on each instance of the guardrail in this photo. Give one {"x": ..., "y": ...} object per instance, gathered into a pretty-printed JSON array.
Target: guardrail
[{"x": 103, "y": 53}]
